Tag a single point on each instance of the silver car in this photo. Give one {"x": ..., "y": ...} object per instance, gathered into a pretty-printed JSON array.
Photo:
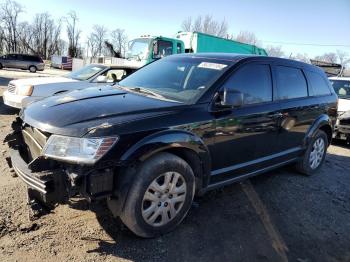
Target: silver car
[{"x": 20, "y": 61}]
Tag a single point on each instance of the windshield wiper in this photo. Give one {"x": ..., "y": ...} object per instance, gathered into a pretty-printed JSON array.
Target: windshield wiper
[{"x": 147, "y": 91}]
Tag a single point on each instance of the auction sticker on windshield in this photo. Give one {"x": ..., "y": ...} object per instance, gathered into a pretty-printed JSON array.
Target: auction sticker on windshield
[{"x": 214, "y": 66}]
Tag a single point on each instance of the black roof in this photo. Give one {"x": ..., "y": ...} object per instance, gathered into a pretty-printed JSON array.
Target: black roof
[{"x": 235, "y": 58}]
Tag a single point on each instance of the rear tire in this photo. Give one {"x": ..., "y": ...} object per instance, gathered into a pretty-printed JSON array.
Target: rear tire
[
  {"x": 314, "y": 155},
  {"x": 1, "y": 67},
  {"x": 160, "y": 196},
  {"x": 32, "y": 69}
]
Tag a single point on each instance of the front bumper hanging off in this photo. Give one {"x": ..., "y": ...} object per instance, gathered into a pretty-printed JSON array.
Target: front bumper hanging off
[
  {"x": 50, "y": 182},
  {"x": 49, "y": 187}
]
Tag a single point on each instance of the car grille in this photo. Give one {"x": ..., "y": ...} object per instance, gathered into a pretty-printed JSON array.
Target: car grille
[
  {"x": 11, "y": 88},
  {"x": 344, "y": 121},
  {"x": 34, "y": 140}
]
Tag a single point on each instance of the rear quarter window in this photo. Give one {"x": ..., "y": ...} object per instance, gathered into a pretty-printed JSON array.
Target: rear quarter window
[
  {"x": 291, "y": 83},
  {"x": 319, "y": 85}
]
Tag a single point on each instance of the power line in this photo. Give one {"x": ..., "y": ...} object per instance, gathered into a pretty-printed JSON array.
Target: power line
[{"x": 309, "y": 44}]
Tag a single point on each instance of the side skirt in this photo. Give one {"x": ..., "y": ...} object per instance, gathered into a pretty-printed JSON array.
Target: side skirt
[{"x": 247, "y": 175}]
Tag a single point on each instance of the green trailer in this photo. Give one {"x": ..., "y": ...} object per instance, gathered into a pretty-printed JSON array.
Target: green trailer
[
  {"x": 146, "y": 49},
  {"x": 196, "y": 42}
]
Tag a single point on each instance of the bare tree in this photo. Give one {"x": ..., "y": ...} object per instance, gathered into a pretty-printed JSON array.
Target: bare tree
[
  {"x": 45, "y": 35},
  {"x": 73, "y": 34},
  {"x": 343, "y": 57},
  {"x": 2, "y": 40},
  {"x": 96, "y": 40},
  {"x": 120, "y": 40},
  {"x": 25, "y": 37},
  {"x": 187, "y": 24},
  {"x": 328, "y": 57},
  {"x": 92, "y": 45},
  {"x": 206, "y": 25},
  {"x": 9, "y": 12},
  {"x": 275, "y": 51},
  {"x": 301, "y": 57},
  {"x": 247, "y": 37}
]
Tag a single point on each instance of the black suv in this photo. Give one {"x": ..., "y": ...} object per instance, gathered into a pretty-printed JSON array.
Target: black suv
[{"x": 176, "y": 128}]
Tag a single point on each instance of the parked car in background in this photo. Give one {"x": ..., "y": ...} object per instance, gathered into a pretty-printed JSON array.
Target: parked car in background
[
  {"x": 177, "y": 127},
  {"x": 22, "y": 92},
  {"x": 341, "y": 86},
  {"x": 21, "y": 61}
]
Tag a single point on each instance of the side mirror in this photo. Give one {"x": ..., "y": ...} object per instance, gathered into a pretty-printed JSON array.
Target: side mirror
[
  {"x": 155, "y": 50},
  {"x": 231, "y": 99},
  {"x": 101, "y": 79}
]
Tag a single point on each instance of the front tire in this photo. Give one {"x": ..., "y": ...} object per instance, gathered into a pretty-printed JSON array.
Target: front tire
[
  {"x": 32, "y": 69},
  {"x": 314, "y": 155},
  {"x": 160, "y": 196}
]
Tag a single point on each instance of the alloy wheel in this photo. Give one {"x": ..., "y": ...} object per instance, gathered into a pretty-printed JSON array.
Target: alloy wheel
[{"x": 317, "y": 153}]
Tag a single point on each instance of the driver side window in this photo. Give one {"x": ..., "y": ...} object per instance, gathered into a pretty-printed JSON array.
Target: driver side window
[{"x": 253, "y": 81}]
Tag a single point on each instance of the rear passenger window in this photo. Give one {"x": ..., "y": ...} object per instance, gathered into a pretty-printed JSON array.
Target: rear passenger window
[
  {"x": 254, "y": 81},
  {"x": 318, "y": 84},
  {"x": 291, "y": 83}
]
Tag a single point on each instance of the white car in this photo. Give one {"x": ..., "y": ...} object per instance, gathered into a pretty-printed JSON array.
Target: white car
[
  {"x": 22, "y": 92},
  {"x": 341, "y": 86}
]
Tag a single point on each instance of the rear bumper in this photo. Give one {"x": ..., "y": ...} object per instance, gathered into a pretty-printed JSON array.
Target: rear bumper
[{"x": 40, "y": 67}]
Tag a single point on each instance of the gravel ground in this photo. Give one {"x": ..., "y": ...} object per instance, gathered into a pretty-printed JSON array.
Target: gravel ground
[{"x": 279, "y": 216}]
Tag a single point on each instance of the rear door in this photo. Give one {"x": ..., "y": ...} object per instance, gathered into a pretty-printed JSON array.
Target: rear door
[{"x": 297, "y": 108}]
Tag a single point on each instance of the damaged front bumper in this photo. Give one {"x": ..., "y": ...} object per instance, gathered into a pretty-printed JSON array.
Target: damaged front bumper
[
  {"x": 48, "y": 187},
  {"x": 51, "y": 182}
]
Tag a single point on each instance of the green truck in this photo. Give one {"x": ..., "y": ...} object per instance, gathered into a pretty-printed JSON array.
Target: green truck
[{"x": 147, "y": 48}]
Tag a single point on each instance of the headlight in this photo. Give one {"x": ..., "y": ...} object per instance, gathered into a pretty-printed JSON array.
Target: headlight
[
  {"x": 24, "y": 90},
  {"x": 78, "y": 150}
]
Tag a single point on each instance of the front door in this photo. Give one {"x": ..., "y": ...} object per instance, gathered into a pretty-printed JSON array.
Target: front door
[
  {"x": 246, "y": 137},
  {"x": 11, "y": 61}
]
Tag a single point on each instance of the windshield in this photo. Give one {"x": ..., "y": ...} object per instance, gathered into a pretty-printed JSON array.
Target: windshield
[
  {"x": 86, "y": 72},
  {"x": 138, "y": 48},
  {"x": 341, "y": 88},
  {"x": 180, "y": 79}
]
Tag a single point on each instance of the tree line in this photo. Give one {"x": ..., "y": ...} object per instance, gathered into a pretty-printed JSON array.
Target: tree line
[{"x": 43, "y": 35}]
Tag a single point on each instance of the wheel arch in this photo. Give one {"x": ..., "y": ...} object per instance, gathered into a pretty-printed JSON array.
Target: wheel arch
[
  {"x": 181, "y": 143},
  {"x": 323, "y": 123}
]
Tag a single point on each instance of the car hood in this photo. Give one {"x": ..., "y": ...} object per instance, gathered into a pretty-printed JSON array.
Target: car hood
[
  {"x": 41, "y": 80},
  {"x": 78, "y": 112}
]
